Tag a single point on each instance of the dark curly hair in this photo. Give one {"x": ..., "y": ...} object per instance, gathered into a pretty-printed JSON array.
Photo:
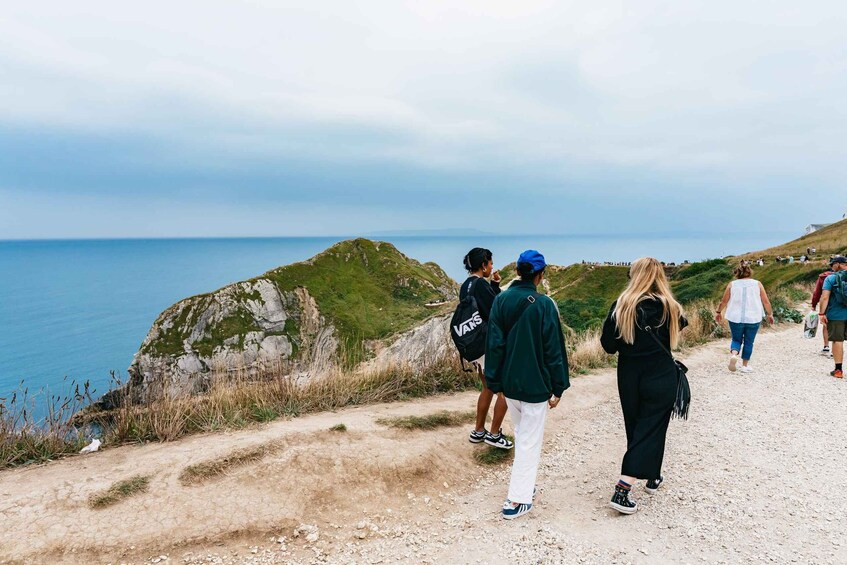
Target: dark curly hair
[{"x": 476, "y": 258}]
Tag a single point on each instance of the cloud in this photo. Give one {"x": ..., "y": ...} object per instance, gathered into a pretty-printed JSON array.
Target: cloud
[{"x": 604, "y": 107}]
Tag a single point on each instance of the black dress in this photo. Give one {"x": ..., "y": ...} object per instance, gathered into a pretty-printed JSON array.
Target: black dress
[{"x": 647, "y": 382}]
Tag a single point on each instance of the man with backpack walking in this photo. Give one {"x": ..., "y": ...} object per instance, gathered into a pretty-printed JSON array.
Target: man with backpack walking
[
  {"x": 526, "y": 361},
  {"x": 833, "y": 310},
  {"x": 816, "y": 298}
]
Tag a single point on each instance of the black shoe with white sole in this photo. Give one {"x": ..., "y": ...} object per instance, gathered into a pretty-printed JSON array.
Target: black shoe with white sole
[
  {"x": 622, "y": 502},
  {"x": 478, "y": 437},
  {"x": 653, "y": 484}
]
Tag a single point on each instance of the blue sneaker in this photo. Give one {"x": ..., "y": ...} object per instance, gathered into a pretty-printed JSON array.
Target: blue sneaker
[{"x": 512, "y": 510}]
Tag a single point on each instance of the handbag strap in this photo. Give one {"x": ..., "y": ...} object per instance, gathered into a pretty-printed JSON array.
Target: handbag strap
[{"x": 649, "y": 330}]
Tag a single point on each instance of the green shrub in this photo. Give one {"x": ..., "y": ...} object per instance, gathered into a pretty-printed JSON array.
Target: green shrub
[
  {"x": 699, "y": 268},
  {"x": 783, "y": 310},
  {"x": 581, "y": 315},
  {"x": 707, "y": 281}
]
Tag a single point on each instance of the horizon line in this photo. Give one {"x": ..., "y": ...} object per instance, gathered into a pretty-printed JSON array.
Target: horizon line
[{"x": 398, "y": 235}]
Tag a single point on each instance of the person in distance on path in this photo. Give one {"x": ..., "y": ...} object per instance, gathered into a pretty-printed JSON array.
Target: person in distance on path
[
  {"x": 647, "y": 376},
  {"x": 526, "y": 361},
  {"x": 746, "y": 302}
]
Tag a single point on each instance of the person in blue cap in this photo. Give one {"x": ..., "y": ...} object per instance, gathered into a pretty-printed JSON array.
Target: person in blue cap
[{"x": 526, "y": 360}]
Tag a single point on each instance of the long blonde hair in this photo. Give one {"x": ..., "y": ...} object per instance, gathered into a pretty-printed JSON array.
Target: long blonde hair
[{"x": 647, "y": 281}]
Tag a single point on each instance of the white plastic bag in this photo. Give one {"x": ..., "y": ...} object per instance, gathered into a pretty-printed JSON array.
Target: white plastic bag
[
  {"x": 810, "y": 327},
  {"x": 91, "y": 447}
]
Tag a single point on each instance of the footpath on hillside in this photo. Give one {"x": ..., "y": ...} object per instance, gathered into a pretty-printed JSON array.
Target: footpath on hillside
[{"x": 753, "y": 476}]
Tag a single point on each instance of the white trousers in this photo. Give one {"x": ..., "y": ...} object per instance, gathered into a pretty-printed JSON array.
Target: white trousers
[{"x": 529, "y": 419}]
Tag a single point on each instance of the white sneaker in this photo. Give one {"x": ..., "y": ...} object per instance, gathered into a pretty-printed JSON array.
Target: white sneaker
[
  {"x": 746, "y": 369},
  {"x": 733, "y": 362}
]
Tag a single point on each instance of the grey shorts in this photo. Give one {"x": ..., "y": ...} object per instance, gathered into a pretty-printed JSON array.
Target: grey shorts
[{"x": 836, "y": 329}]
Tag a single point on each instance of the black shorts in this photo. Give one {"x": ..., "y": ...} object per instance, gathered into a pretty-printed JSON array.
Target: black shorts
[{"x": 836, "y": 329}]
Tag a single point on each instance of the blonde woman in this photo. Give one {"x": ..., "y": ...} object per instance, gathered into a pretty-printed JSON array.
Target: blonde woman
[
  {"x": 745, "y": 301},
  {"x": 647, "y": 376}
]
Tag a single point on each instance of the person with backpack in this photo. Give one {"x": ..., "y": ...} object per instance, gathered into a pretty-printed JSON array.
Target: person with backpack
[
  {"x": 746, "y": 301},
  {"x": 833, "y": 310},
  {"x": 469, "y": 332},
  {"x": 816, "y": 298},
  {"x": 526, "y": 360},
  {"x": 642, "y": 327}
]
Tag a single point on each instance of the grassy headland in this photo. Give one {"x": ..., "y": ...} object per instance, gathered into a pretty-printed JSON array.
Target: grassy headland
[
  {"x": 367, "y": 290},
  {"x": 370, "y": 291}
]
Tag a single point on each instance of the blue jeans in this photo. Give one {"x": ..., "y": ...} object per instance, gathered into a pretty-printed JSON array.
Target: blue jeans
[{"x": 743, "y": 336}]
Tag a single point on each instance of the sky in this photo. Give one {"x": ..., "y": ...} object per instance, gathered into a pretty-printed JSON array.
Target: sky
[{"x": 181, "y": 119}]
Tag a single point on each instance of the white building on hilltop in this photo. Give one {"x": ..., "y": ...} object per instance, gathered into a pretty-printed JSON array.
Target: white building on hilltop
[{"x": 812, "y": 228}]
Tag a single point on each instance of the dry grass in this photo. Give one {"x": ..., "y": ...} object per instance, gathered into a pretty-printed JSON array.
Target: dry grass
[
  {"x": 585, "y": 352},
  {"x": 26, "y": 439},
  {"x": 206, "y": 470},
  {"x": 119, "y": 491},
  {"x": 494, "y": 455},
  {"x": 241, "y": 401},
  {"x": 442, "y": 419}
]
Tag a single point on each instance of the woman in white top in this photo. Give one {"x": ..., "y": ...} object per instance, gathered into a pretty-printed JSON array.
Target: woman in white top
[{"x": 746, "y": 302}]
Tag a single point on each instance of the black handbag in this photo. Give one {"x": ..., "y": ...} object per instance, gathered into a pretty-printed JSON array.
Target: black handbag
[{"x": 683, "y": 390}]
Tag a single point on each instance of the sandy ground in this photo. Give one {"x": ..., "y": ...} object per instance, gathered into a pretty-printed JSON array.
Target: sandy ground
[{"x": 753, "y": 476}]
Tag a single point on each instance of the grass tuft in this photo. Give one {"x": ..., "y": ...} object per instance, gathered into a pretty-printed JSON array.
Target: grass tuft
[
  {"x": 206, "y": 470},
  {"x": 338, "y": 428},
  {"x": 494, "y": 455},
  {"x": 119, "y": 491},
  {"x": 442, "y": 419}
]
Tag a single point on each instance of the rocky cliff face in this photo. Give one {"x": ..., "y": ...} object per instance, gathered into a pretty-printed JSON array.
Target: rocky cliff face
[{"x": 359, "y": 301}]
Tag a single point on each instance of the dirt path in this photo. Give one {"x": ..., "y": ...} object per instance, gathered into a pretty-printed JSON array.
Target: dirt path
[{"x": 753, "y": 476}]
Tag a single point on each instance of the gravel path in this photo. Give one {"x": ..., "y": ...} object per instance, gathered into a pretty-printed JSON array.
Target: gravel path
[
  {"x": 752, "y": 477},
  {"x": 749, "y": 478}
]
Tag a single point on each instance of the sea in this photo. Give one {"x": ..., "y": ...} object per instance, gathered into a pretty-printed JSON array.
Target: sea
[{"x": 77, "y": 310}]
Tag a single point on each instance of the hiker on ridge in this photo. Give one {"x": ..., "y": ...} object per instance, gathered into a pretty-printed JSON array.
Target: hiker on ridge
[
  {"x": 479, "y": 263},
  {"x": 526, "y": 361},
  {"x": 642, "y": 327}
]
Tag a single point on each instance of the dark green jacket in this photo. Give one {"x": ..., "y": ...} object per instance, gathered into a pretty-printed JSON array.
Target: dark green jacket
[{"x": 530, "y": 365}]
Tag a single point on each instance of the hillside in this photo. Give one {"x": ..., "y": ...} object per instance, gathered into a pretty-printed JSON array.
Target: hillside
[
  {"x": 828, "y": 241},
  {"x": 584, "y": 292},
  {"x": 333, "y": 310}
]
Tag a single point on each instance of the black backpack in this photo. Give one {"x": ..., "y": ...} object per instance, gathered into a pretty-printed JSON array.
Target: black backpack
[
  {"x": 467, "y": 328},
  {"x": 470, "y": 332}
]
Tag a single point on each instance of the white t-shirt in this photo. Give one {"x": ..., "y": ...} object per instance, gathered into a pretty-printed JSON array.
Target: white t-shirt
[{"x": 745, "y": 302}]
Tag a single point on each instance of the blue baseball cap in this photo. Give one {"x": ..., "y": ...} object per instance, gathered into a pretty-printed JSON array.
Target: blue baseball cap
[{"x": 534, "y": 258}]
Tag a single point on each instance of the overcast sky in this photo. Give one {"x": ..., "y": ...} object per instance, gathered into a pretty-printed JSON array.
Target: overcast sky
[{"x": 336, "y": 118}]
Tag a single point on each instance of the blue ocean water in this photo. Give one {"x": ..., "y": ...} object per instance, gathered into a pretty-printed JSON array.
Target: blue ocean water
[{"x": 82, "y": 308}]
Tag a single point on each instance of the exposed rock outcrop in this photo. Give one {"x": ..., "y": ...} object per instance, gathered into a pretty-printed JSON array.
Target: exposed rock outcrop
[{"x": 358, "y": 301}]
